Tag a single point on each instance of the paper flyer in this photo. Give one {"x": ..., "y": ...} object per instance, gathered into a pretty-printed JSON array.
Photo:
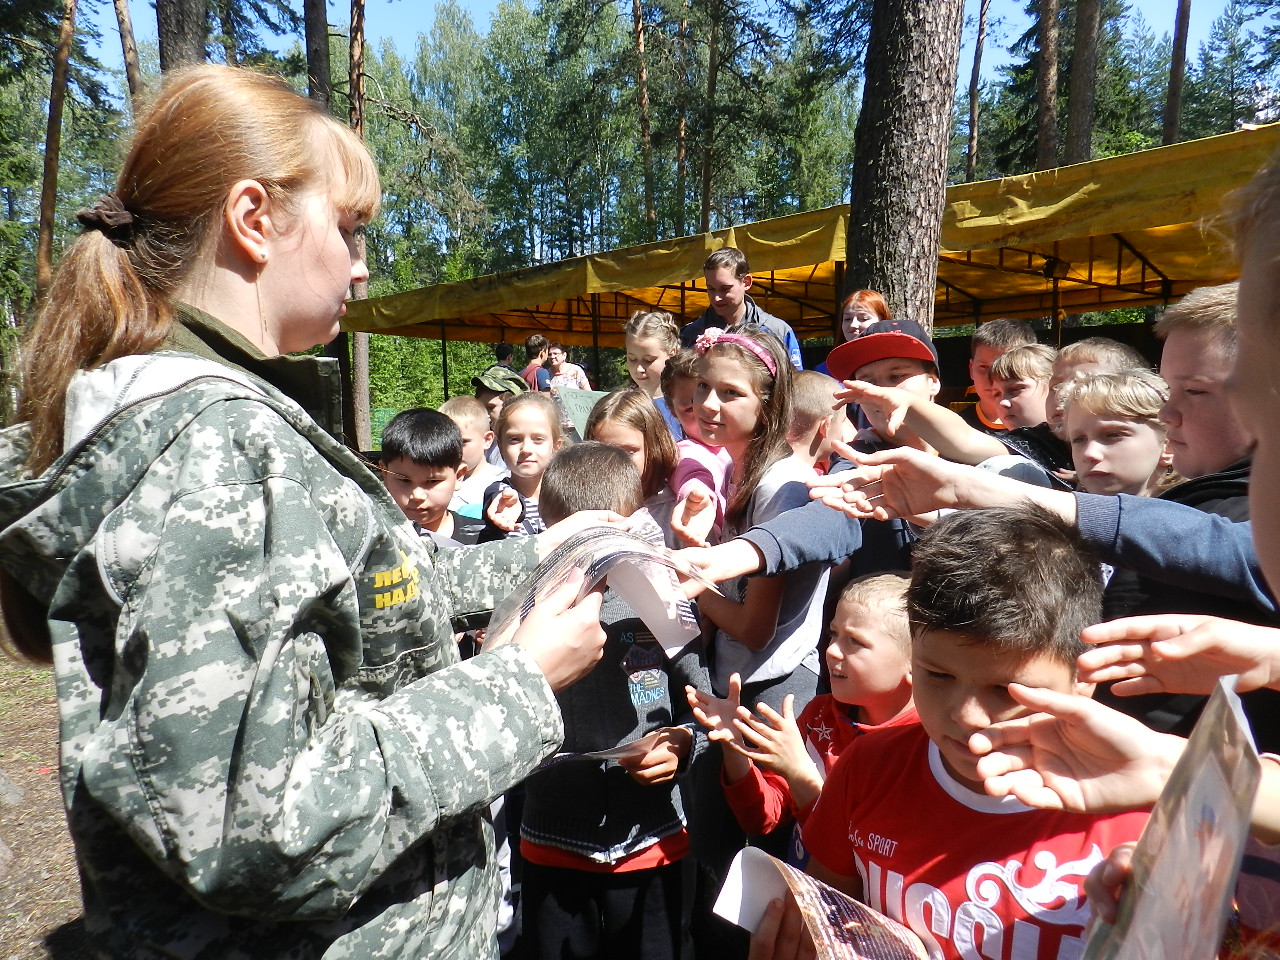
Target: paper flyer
[
  {"x": 638, "y": 567},
  {"x": 841, "y": 927},
  {"x": 1186, "y": 862}
]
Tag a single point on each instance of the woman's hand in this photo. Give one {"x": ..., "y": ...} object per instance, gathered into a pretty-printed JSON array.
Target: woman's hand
[
  {"x": 558, "y": 533},
  {"x": 782, "y": 934},
  {"x": 564, "y": 637},
  {"x": 1106, "y": 882}
]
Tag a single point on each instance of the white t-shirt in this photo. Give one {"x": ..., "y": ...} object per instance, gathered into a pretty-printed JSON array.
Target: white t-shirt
[
  {"x": 800, "y": 626},
  {"x": 471, "y": 490}
]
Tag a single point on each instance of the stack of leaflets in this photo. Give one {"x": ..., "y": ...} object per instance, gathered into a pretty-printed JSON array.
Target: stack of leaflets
[
  {"x": 1186, "y": 862},
  {"x": 638, "y": 567},
  {"x": 841, "y": 928}
]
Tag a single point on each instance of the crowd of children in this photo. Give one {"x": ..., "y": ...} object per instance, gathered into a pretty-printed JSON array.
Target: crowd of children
[
  {"x": 911, "y": 683},
  {"x": 827, "y": 711}
]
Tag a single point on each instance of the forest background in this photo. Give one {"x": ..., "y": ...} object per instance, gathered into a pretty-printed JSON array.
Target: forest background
[{"x": 566, "y": 127}]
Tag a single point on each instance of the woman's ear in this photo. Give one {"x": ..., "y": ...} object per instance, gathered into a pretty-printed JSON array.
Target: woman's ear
[{"x": 247, "y": 214}]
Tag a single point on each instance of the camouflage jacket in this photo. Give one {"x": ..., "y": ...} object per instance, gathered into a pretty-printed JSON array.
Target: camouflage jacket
[{"x": 269, "y": 748}]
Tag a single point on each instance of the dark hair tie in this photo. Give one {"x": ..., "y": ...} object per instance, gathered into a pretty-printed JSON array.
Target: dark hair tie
[{"x": 111, "y": 217}]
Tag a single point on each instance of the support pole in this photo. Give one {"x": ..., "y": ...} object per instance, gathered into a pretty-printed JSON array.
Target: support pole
[{"x": 444, "y": 359}]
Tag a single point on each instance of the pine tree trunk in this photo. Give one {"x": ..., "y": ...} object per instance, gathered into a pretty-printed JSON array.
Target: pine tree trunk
[
  {"x": 682, "y": 122},
  {"x": 132, "y": 70},
  {"x": 1047, "y": 87},
  {"x": 900, "y": 153},
  {"x": 646, "y": 139},
  {"x": 971, "y": 157},
  {"x": 709, "y": 121},
  {"x": 358, "y": 428},
  {"x": 52, "y": 147},
  {"x": 315, "y": 19},
  {"x": 182, "y": 30},
  {"x": 1084, "y": 79},
  {"x": 1177, "y": 73}
]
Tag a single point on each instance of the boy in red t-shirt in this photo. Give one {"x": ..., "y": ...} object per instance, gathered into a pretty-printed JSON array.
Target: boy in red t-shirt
[
  {"x": 903, "y": 824},
  {"x": 775, "y": 764}
]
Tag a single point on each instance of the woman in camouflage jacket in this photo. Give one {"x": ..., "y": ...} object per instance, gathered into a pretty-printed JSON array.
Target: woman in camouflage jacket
[{"x": 269, "y": 748}]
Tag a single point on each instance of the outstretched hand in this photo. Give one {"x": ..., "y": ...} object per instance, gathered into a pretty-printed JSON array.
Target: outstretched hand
[
  {"x": 694, "y": 517},
  {"x": 903, "y": 482},
  {"x": 1074, "y": 754},
  {"x": 886, "y": 408},
  {"x": 1179, "y": 653},
  {"x": 504, "y": 510},
  {"x": 717, "y": 714},
  {"x": 775, "y": 743}
]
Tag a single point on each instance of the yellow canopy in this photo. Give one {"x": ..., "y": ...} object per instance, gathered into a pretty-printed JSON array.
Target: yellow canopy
[{"x": 1124, "y": 231}]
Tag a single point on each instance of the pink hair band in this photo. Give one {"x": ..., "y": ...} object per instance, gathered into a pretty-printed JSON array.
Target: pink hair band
[{"x": 715, "y": 335}]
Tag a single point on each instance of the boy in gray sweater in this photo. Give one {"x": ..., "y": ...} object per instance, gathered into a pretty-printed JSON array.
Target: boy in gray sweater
[{"x": 606, "y": 866}]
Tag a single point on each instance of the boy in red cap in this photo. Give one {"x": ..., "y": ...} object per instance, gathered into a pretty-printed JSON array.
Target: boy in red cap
[{"x": 892, "y": 353}]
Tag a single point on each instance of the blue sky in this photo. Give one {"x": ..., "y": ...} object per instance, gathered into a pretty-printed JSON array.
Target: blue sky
[{"x": 403, "y": 20}]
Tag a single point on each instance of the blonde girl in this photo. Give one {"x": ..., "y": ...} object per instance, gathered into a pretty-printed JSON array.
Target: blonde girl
[
  {"x": 269, "y": 747},
  {"x": 529, "y": 433},
  {"x": 652, "y": 338},
  {"x": 628, "y": 419},
  {"x": 1116, "y": 436}
]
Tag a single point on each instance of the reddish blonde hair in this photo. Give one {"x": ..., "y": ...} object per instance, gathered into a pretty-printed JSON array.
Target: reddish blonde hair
[
  {"x": 871, "y": 299},
  {"x": 208, "y": 128}
]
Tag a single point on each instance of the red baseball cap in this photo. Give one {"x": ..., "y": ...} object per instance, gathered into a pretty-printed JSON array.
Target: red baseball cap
[{"x": 888, "y": 338}]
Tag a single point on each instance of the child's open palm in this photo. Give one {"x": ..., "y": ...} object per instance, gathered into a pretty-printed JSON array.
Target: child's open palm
[
  {"x": 718, "y": 715},
  {"x": 774, "y": 742}
]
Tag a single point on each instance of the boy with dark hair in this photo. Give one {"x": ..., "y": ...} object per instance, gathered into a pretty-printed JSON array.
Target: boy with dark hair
[
  {"x": 728, "y": 279},
  {"x": 997, "y": 597},
  {"x": 606, "y": 866},
  {"x": 536, "y": 348},
  {"x": 421, "y": 467},
  {"x": 989, "y": 342}
]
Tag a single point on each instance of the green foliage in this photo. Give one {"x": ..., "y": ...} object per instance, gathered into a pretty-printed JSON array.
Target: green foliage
[
  {"x": 1225, "y": 85},
  {"x": 523, "y": 144}
]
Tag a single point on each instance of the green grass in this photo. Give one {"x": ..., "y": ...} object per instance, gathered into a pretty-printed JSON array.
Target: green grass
[{"x": 22, "y": 684}]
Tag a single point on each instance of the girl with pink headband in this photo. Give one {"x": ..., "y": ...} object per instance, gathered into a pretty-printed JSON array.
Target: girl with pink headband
[{"x": 767, "y": 628}]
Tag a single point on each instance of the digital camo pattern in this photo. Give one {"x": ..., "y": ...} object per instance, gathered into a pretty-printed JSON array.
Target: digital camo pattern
[{"x": 268, "y": 747}]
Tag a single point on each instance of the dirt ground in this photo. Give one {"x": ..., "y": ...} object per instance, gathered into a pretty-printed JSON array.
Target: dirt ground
[{"x": 39, "y": 888}]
